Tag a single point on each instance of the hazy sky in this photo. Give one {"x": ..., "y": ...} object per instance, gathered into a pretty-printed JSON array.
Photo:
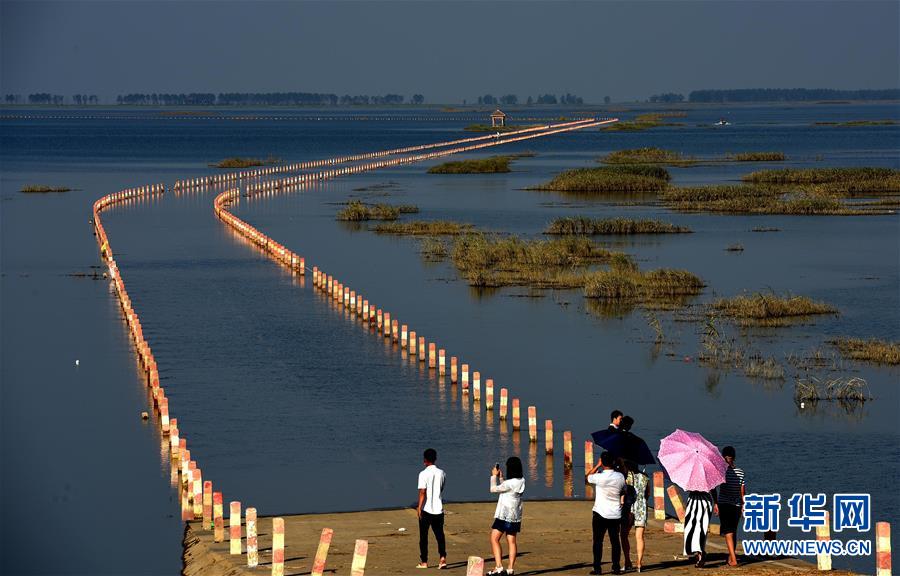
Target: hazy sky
[{"x": 446, "y": 50}]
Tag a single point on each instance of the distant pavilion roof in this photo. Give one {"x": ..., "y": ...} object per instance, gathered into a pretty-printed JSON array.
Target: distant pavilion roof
[{"x": 498, "y": 114}]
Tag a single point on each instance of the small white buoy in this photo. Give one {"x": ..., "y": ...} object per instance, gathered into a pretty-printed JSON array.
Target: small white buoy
[
  {"x": 802, "y": 404},
  {"x": 401, "y": 529},
  {"x": 76, "y": 363}
]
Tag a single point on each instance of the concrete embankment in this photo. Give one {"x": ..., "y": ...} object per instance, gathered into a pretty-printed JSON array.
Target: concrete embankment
[{"x": 556, "y": 539}]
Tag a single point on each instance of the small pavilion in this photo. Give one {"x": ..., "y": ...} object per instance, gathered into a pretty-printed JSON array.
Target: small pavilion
[{"x": 498, "y": 118}]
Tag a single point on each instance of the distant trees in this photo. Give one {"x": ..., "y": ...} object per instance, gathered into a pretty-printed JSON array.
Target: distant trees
[
  {"x": 547, "y": 100},
  {"x": 418, "y": 99},
  {"x": 46, "y": 98},
  {"x": 509, "y": 100},
  {"x": 84, "y": 99},
  {"x": 667, "y": 98},
  {"x": 790, "y": 95},
  {"x": 12, "y": 98},
  {"x": 262, "y": 99},
  {"x": 487, "y": 99}
]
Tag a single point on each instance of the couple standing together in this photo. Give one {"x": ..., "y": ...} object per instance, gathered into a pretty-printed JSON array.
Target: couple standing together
[{"x": 507, "y": 516}]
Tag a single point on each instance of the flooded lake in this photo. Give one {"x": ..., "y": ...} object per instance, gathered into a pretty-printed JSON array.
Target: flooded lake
[{"x": 287, "y": 402}]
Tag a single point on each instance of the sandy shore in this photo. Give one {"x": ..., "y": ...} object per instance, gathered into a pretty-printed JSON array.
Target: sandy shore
[{"x": 556, "y": 539}]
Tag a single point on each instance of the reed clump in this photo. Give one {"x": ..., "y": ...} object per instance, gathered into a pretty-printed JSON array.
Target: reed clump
[
  {"x": 645, "y": 122},
  {"x": 238, "y": 162},
  {"x": 357, "y": 211},
  {"x": 760, "y": 199},
  {"x": 764, "y": 369},
  {"x": 624, "y": 178},
  {"x": 624, "y": 281},
  {"x": 492, "y": 165},
  {"x": 647, "y": 156},
  {"x": 490, "y": 260},
  {"x": 581, "y": 225},
  {"x": 820, "y": 175},
  {"x": 769, "y": 309},
  {"x": 423, "y": 228},
  {"x": 41, "y": 189},
  {"x": 871, "y": 350},
  {"x": 433, "y": 249},
  {"x": 846, "y": 391},
  {"x": 757, "y": 157}
]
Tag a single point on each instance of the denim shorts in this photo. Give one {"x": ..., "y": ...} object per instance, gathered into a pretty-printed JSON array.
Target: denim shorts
[{"x": 507, "y": 527}]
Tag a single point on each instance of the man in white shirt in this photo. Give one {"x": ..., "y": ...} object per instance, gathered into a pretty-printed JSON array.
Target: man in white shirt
[
  {"x": 607, "y": 512},
  {"x": 430, "y": 509}
]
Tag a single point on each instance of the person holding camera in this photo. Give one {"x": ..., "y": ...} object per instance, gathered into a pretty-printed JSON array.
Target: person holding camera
[{"x": 508, "y": 515}]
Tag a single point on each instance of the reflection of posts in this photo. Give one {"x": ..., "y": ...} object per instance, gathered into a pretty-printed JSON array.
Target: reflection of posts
[{"x": 567, "y": 449}]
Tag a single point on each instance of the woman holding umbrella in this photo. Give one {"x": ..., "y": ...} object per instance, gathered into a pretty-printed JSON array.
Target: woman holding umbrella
[{"x": 694, "y": 464}]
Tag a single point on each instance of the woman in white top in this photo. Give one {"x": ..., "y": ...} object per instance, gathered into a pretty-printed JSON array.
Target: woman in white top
[{"x": 508, "y": 516}]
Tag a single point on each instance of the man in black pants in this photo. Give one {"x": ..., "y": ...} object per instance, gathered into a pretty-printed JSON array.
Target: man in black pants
[
  {"x": 607, "y": 512},
  {"x": 430, "y": 509}
]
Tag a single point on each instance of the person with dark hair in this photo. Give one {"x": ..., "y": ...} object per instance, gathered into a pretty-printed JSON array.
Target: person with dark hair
[
  {"x": 730, "y": 501},
  {"x": 626, "y": 423},
  {"x": 430, "y": 509},
  {"x": 607, "y": 512},
  {"x": 508, "y": 515},
  {"x": 638, "y": 484},
  {"x": 615, "y": 418}
]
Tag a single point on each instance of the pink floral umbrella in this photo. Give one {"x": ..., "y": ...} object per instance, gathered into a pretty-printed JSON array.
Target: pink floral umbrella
[{"x": 692, "y": 461}]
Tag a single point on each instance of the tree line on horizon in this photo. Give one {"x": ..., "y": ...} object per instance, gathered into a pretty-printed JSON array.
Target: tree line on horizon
[
  {"x": 328, "y": 99},
  {"x": 540, "y": 100},
  {"x": 775, "y": 95}
]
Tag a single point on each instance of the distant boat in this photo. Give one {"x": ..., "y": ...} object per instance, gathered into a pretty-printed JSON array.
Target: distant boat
[{"x": 722, "y": 122}]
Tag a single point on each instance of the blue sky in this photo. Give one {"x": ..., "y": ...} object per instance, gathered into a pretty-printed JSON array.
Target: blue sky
[{"x": 446, "y": 50}]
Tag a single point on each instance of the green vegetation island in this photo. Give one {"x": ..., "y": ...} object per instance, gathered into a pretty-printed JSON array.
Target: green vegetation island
[
  {"x": 41, "y": 189},
  {"x": 492, "y": 165},
  {"x": 237, "y": 162}
]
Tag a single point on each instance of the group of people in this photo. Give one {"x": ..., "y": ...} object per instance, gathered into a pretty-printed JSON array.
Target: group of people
[
  {"x": 622, "y": 490},
  {"x": 507, "y": 516},
  {"x": 621, "y": 494}
]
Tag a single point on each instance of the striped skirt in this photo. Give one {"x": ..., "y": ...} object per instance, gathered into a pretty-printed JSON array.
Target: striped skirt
[{"x": 696, "y": 522}]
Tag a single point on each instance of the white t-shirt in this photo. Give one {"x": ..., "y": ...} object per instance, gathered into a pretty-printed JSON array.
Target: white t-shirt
[
  {"x": 509, "y": 504},
  {"x": 431, "y": 479},
  {"x": 608, "y": 493}
]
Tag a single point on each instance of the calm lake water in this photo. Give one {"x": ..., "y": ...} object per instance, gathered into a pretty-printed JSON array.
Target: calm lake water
[{"x": 287, "y": 402}]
